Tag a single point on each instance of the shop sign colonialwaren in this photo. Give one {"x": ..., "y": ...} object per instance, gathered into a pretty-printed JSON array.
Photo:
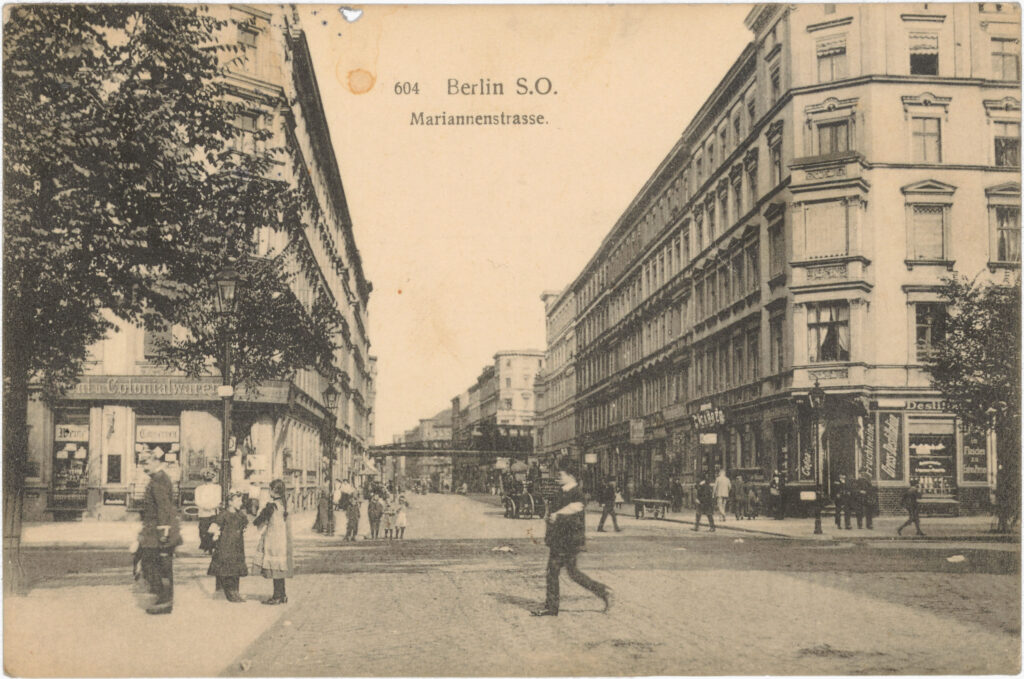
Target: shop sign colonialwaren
[{"x": 172, "y": 388}]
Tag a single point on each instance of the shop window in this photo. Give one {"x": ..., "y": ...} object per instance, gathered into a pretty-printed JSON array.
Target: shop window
[
  {"x": 71, "y": 454},
  {"x": 1006, "y": 58},
  {"x": 828, "y": 332},
  {"x": 924, "y": 54},
  {"x": 1007, "y": 143},
  {"x": 831, "y": 59},
  {"x": 926, "y": 140},
  {"x": 932, "y": 446},
  {"x": 833, "y": 137},
  {"x": 930, "y": 323},
  {"x": 928, "y": 229}
]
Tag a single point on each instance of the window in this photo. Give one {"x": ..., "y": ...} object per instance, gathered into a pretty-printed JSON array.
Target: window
[
  {"x": 739, "y": 286},
  {"x": 825, "y": 229},
  {"x": 753, "y": 355},
  {"x": 246, "y": 125},
  {"x": 153, "y": 340},
  {"x": 775, "y": 159},
  {"x": 926, "y": 140},
  {"x": 711, "y": 158},
  {"x": 776, "y": 85},
  {"x": 698, "y": 235},
  {"x": 831, "y": 59},
  {"x": 776, "y": 346},
  {"x": 924, "y": 54},
  {"x": 508, "y": 381},
  {"x": 751, "y": 114},
  {"x": 737, "y": 128},
  {"x": 508, "y": 404},
  {"x": 930, "y": 320},
  {"x": 699, "y": 168},
  {"x": 739, "y": 371},
  {"x": 1007, "y": 233},
  {"x": 833, "y": 137},
  {"x": 752, "y": 185},
  {"x": 247, "y": 36},
  {"x": 1007, "y": 137},
  {"x": 723, "y": 211},
  {"x": 712, "y": 291},
  {"x": 686, "y": 246},
  {"x": 712, "y": 230},
  {"x": 753, "y": 267},
  {"x": 776, "y": 250},
  {"x": 927, "y": 233},
  {"x": 828, "y": 332},
  {"x": 723, "y": 139},
  {"x": 1006, "y": 58},
  {"x": 737, "y": 195}
]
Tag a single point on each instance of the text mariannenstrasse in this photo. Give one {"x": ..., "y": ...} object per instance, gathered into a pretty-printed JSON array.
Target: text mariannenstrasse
[{"x": 481, "y": 119}]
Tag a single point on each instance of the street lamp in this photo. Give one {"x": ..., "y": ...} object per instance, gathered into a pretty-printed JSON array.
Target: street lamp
[
  {"x": 227, "y": 286},
  {"x": 331, "y": 402},
  {"x": 816, "y": 396}
]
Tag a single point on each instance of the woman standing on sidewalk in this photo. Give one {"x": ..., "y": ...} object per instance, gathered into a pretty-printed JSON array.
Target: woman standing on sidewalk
[{"x": 274, "y": 551}]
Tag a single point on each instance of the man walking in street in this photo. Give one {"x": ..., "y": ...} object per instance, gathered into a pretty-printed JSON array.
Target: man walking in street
[
  {"x": 565, "y": 538},
  {"x": 722, "y": 487},
  {"x": 160, "y": 534},
  {"x": 909, "y": 502},
  {"x": 705, "y": 504},
  {"x": 606, "y": 496}
]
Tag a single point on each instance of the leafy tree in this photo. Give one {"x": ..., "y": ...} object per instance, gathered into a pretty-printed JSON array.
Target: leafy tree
[
  {"x": 123, "y": 194},
  {"x": 977, "y": 367}
]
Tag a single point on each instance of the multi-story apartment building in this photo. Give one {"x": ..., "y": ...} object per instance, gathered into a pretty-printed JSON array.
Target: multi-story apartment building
[
  {"x": 556, "y": 429},
  {"x": 84, "y": 451},
  {"x": 797, "y": 234}
]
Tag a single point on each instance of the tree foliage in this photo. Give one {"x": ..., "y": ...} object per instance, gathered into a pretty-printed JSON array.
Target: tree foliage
[
  {"x": 124, "y": 195},
  {"x": 977, "y": 364}
]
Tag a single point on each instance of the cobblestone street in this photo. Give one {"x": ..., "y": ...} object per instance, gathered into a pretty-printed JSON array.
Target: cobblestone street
[{"x": 444, "y": 602}]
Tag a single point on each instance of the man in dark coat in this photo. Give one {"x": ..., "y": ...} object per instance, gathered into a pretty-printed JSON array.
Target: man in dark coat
[
  {"x": 160, "y": 534},
  {"x": 705, "y": 504},
  {"x": 606, "y": 496},
  {"x": 565, "y": 538},
  {"x": 909, "y": 501},
  {"x": 864, "y": 499},
  {"x": 841, "y": 498}
]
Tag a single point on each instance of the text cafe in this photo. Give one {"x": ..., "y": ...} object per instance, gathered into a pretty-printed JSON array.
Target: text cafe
[{"x": 906, "y": 440}]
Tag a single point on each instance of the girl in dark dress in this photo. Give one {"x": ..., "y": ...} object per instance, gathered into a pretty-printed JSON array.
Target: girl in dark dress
[{"x": 228, "y": 562}]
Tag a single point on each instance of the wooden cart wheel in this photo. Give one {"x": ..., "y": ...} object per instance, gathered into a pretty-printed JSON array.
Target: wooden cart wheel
[{"x": 510, "y": 508}]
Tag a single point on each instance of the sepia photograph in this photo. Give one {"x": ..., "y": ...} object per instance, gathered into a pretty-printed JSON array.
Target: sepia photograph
[{"x": 521, "y": 340}]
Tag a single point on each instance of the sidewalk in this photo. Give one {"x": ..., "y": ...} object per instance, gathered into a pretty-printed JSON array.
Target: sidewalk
[{"x": 961, "y": 528}]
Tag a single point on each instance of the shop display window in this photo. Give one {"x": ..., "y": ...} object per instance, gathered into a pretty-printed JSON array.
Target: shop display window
[
  {"x": 932, "y": 446},
  {"x": 70, "y": 456}
]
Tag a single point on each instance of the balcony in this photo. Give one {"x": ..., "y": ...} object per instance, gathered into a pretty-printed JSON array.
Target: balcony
[{"x": 834, "y": 170}]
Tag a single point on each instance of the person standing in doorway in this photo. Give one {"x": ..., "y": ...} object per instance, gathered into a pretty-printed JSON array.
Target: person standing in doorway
[
  {"x": 722, "y": 488},
  {"x": 841, "y": 498},
  {"x": 274, "y": 551},
  {"x": 909, "y": 501},
  {"x": 160, "y": 534},
  {"x": 705, "y": 504},
  {"x": 775, "y": 489},
  {"x": 865, "y": 499},
  {"x": 565, "y": 537},
  {"x": 606, "y": 496}
]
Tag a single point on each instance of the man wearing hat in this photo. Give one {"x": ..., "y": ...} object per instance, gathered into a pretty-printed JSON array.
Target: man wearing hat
[
  {"x": 160, "y": 533},
  {"x": 207, "y": 503},
  {"x": 565, "y": 537}
]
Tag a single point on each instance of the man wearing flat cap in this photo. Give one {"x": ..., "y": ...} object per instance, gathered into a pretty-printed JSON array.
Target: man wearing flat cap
[{"x": 160, "y": 533}]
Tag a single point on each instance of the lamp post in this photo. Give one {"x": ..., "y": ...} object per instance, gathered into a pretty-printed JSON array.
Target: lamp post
[
  {"x": 816, "y": 396},
  {"x": 227, "y": 286},
  {"x": 331, "y": 403}
]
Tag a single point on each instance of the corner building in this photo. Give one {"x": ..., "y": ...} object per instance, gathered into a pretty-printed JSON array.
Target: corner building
[
  {"x": 797, "y": 234},
  {"x": 84, "y": 453}
]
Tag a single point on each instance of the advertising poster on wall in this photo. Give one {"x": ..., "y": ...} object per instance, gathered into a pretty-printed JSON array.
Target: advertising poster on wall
[{"x": 890, "y": 446}]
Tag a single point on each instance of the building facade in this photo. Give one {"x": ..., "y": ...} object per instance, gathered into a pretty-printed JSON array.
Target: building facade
[
  {"x": 84, "y": 452},
  {"x": 796, "y": 235},
  {"x": 556, "y": 386}
]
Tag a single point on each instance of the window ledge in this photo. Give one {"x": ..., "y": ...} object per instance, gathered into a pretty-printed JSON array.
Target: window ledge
[
  {"x": 911, "y": 263},
  {"x": 992, "y": 266},
  {"x": 777, "y": 280}
]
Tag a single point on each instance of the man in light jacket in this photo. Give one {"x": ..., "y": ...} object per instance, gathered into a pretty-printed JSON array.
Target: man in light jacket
[{"x": 722, "y": 487}]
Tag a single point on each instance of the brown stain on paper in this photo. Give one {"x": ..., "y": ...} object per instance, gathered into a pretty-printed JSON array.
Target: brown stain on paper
[{"x": 360, "y": 81}]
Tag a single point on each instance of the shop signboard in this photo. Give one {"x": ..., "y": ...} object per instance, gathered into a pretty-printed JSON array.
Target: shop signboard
[
  {"x": 71, "y": 432},
  {"x": 169, "y": 387},
  {"x": 708, "y": 438},
  {"x": 116, "y": 499},
  {"x": 708, "y": 418},
  {"x": 869, "y": 447},
  {"x": 590, "y": 458},
  {"x": 156, "y": 433},
  {"x": 975, "y": 456},
  {"x": 636, "y": 431},
  {"x": 890, "y": 446},
  {"x": 806, "y": 470}
]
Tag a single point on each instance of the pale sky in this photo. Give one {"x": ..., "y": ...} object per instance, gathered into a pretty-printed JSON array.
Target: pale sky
[{"x": 462, "y": 228}]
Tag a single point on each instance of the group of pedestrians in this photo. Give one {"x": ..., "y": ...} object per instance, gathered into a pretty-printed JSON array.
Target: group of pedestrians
[
  {"x": 221, "y": 534},
  {"x": 859, "y": 498}
]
